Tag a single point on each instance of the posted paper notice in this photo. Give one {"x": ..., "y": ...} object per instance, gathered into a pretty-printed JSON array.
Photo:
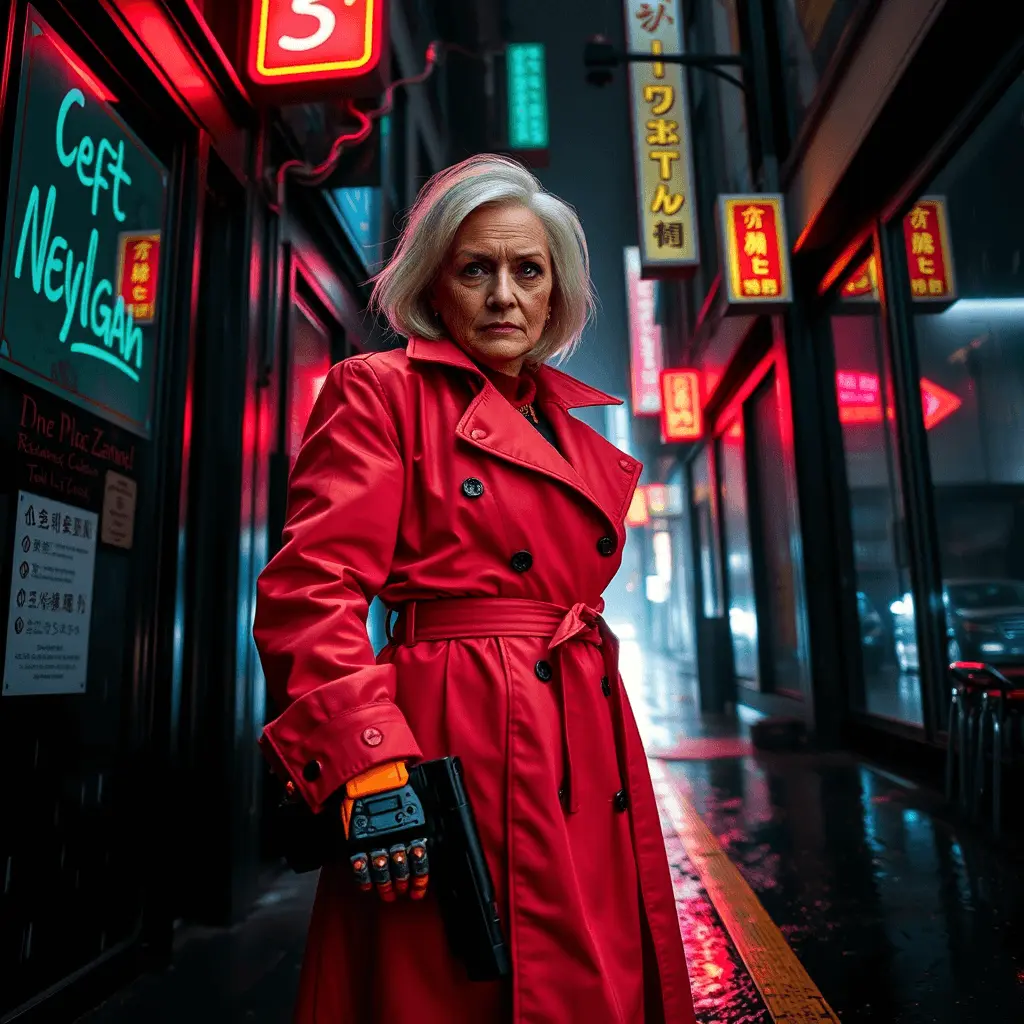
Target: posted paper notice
[{"x": 51, "y": 598}]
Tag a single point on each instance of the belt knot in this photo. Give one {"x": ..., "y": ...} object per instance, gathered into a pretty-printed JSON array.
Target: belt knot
[{"x": 580, "y": 618}]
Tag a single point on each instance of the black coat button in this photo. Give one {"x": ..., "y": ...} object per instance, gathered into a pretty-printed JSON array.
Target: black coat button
[
  {"x": 606, "y": 687},
  {"x": 543, "y": 670},
  {"x": 606, "y": 546},
  {"x": 522, "y": 561},
  {"x": 621, "y": 800},
  {"x": 312, "y": 771},
  {"x": 472, "y": 488}
]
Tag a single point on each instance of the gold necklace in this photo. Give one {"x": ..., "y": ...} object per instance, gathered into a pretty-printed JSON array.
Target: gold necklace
[{"x": 527, "y": 411}]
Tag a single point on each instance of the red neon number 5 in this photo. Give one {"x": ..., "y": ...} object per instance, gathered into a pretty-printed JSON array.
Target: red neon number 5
[
  {"x": 298, "y": 39},
  {"x": 327, "y": 23}
]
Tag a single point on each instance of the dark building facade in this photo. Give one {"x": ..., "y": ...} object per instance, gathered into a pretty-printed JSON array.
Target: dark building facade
[
  {"x": 168, "y": 314},
  {"x": 850, "y": 522}
]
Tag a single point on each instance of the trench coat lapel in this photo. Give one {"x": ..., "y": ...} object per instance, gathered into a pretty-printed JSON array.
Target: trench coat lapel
[
  {"x": 610, "y": 474},
  {"x": 590, "y": 465}
]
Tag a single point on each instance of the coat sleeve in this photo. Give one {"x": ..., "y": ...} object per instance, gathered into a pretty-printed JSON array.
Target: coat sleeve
[{"x": 338, "y": 717}]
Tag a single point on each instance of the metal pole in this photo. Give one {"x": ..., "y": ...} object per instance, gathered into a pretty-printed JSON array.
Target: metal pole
[{"x": 599, "y": 55}]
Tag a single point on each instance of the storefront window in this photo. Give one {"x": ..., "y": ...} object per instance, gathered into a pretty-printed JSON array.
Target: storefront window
[
  {"x": 963, "y": 250},
  {"x": 779, "y": 628},
  {"x": 310, "y": 364},
  {"x": 885, "y": 611},
  {"x": 81, "y": 289},
  {"x": 739, "y": 567},
  {"x": 705, "y": 514},
  {"x": 683, "y": 625}
]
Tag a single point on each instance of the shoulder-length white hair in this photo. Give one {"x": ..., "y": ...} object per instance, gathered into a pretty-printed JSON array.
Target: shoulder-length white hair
[{"x": 400, "y": 290}]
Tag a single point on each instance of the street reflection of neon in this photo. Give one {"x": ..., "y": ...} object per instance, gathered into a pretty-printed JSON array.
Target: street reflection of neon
[
  {"x": 709, "y": 957},
  {"x": 859, "y": 396}
]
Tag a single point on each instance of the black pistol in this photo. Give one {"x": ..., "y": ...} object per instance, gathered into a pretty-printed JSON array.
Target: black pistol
[
  {"x": 462, "y": 879},
  {"x": 438, "y": 808}
]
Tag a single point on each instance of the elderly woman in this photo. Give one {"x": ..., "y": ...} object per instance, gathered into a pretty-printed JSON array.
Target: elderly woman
[{"x": 450, "y": 479}]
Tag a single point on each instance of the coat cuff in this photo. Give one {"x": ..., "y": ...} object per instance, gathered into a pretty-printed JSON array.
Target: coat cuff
[{"x": 320, "y": 752}]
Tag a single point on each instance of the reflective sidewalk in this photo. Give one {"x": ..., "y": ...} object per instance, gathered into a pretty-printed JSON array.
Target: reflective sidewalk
[{"x": 895, "y": 914}]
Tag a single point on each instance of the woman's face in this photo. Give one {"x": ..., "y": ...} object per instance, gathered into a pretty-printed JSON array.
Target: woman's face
[{"x": 493, "y": 292}]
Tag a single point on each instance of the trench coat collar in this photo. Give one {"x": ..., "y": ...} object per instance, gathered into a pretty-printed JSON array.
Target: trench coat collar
[
  {"x": 584, "y": 461},
  {"x": 552, "y": 384}
]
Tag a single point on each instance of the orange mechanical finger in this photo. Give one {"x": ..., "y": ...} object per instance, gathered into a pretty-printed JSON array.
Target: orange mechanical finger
[
  {"x": 400, "y": 868},
  {"x": 361, "y": 871},
  {"x": 380, "y": 872},
  {"x": 419, "y": 867}
]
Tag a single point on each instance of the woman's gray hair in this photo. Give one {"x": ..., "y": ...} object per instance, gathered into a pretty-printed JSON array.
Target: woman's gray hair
[{"x": 401, "y": 289}]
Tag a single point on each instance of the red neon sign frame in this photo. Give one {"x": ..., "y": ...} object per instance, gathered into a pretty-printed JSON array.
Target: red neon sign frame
[
  {"x": 681, "y": 413},
  {"x": 294, "y": 42}
]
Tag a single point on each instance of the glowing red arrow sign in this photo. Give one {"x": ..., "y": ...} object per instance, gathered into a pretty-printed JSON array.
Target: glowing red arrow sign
[
  {"x": 938, "y": 403},
  {"x": 860, "y": 399}
]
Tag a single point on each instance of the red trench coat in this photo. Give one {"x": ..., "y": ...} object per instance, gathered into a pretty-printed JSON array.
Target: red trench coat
[{"x": 378, "y": 506}]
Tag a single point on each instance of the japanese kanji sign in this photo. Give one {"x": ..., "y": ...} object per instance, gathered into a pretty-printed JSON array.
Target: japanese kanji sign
[
  {"x": 929, "y": 256},
  {"x": 50, "y": 606},
  {"x": 527, "y": 96},
  {"x": 680, "y": 405},
  {"x": 662, "y": 150},
  {"x": 314, "y": 40},
  {"x": 645, "y": 351},
  {"x": 138, "y": 264},
  {"x": 755, "y": 252}
]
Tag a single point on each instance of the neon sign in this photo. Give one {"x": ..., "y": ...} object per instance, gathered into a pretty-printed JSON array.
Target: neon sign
[
  {"x": 91, "y": 297},
  {"x": 138, "y": 267},
  {"x": 681, "y": 413},
  {"x": 81, "y": 247},
  {"x": 314, "y": 40},
  {"x": 859, "y": 396}
]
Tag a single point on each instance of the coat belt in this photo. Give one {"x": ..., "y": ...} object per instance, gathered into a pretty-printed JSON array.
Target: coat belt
[{"x": 471, "y": 618}]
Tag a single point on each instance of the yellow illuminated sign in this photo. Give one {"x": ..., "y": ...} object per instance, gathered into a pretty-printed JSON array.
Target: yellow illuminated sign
[{"x": 662, "y": 149}]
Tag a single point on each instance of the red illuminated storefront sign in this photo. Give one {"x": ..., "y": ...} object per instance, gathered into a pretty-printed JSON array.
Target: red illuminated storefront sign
[
  {"x": 297, "y": 42},
  {"x": 681, "y": 418},
  {"x": 755, "y": 251},
  {"x": 929, "y": 257},
  {"x": 137, "y": 270},
  {"x": 859, "y": 396},
  {"x": 638, "y": 514},
  {"x": 645, "y": 350}
]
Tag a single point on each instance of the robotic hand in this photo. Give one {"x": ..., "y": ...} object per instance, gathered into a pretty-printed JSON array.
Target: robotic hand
[{"x": 385, "y": 825}]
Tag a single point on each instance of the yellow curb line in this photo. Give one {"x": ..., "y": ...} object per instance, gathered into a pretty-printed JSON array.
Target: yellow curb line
[{"x": 785, "y": 987}]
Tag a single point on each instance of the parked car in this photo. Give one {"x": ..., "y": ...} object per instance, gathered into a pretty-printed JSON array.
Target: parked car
[
  {"x": 984, "y": 622},
  {"x": 872, "y": 633}
]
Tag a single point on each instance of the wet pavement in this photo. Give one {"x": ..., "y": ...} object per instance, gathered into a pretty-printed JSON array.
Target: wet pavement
[
  {"x": 899, "y": 914},
  {"x": 722, "y": 989}
]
